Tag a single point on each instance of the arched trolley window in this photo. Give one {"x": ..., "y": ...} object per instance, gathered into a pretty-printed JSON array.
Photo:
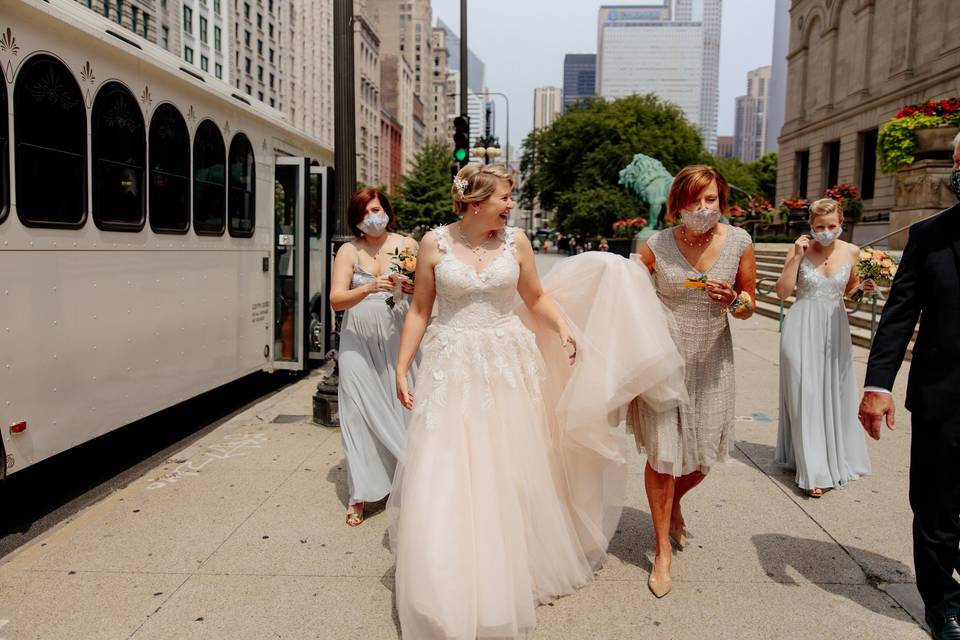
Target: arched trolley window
[
  {"x": 119, "y": 156},
  {"x": 209, "y": 183},
  {"x": 241, "y": 201},
  {"x": 169, "y": 171},
  {"x": 50, "y": 123}
]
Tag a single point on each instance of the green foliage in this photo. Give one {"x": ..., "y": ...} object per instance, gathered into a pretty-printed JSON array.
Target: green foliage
[
  {"x": 423, "y": 198},
  {"x": 592, "y": 212},
  {"x": 765, "y": 172},
  {"x": 755, "y": 178},
  {"x": 896, "y": 145},
  {"x": 573, "y": 166}
]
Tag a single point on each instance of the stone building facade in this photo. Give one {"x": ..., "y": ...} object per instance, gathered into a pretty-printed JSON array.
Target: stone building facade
[{"x": 852, "y": 65}]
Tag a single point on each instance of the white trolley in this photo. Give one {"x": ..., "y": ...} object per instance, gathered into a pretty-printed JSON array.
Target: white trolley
[{"x": 160, "y": 234}]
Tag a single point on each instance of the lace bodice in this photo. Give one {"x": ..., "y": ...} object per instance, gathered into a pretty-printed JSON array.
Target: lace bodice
[
  {"x": 812, "y": 284},
  {"x": 467, "y": 299}
]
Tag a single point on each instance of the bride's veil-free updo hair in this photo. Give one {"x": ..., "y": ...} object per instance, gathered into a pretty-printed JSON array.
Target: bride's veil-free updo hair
[
  {"x": 478, "y": 182},
  {"x": 824, "y": 207}
]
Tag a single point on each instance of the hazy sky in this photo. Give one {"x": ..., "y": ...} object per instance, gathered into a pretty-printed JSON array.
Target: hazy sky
[{"x": 522, "y": 43}]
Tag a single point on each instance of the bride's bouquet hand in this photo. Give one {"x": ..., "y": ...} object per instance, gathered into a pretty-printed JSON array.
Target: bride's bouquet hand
[{"x": 403, "y": 392}]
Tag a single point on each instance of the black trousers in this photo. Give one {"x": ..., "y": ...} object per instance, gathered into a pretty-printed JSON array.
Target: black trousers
[{"x": 935, "y": 500}]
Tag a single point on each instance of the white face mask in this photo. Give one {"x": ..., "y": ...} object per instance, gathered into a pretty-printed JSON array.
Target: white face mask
[
  {"x": 700, "y": 221},
  {"x": 825, "y": 238},
  {"x": 374, "y": 224}
]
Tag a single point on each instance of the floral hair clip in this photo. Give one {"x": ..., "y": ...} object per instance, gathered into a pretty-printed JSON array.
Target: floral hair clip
[{"x": 460, "y": 185}]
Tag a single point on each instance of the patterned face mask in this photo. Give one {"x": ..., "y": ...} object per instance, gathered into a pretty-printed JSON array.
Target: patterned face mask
[
  {"x": 824, "y": 237},
  {"x": 955, "y": 183},
  {"x": 374, "y": 224},
  {"x": 700, "y": 221}
]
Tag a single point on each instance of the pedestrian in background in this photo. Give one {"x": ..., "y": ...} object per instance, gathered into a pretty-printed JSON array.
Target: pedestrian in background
[
  {"x": 927, "y": 286},
  {"x": 819, "y": 435},
  {"x": 373, "y": 423},
  {"x": 702, "y": 270}
]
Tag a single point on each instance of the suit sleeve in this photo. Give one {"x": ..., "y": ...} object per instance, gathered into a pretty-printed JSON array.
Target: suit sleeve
[{"x": 900, "y": 314}]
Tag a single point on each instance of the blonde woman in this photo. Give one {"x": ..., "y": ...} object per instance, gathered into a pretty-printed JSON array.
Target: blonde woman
[
  {"x": 502, "y": 501},
  {"x": 819, "y": 434}
]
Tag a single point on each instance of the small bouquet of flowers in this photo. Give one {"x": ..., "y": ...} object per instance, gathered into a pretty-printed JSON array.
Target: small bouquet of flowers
[
  {"x": 874, "y": 264},
  {"x": 696, "y": 283},
  {"x": 403, "y": 268}
]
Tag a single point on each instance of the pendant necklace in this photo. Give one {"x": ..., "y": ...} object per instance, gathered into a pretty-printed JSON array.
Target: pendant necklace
[
  {"x": 478, "y": 250},
  {"x": 707, "y": 238}
]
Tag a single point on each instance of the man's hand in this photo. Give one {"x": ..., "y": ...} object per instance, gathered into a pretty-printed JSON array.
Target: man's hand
[{"x": 873, "y": 408}]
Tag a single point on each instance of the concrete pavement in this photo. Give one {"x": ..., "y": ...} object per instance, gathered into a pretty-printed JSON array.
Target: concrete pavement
[{"x": 242, "y": 535}]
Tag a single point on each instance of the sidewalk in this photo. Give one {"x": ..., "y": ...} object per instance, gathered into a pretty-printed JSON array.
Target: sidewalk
[{"x": 242, "y": 536}]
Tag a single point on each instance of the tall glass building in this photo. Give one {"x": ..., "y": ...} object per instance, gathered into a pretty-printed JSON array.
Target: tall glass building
[{"x": 670, "y": 49}]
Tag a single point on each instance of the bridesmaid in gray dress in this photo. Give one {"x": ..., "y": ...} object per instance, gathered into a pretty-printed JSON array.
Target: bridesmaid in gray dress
[
  {"x": 373, "y": 424},
  {"x": 819, "y": 434},
  {"x": 702, "y": 270}
]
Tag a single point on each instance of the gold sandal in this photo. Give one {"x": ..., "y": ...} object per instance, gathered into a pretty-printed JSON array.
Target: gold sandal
[{"x": 354, "y": 518}]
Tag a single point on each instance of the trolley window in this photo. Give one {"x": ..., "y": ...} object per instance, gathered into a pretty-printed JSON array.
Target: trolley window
[
  {"x": 50, "y": 122},
  {"x": 241, "y": 204},
  {"x": 4, "y": 157},
  {"x": 169, "y": 171},
  {"x": 119, "y": 154},
  {"x": 209, "y": 184}
]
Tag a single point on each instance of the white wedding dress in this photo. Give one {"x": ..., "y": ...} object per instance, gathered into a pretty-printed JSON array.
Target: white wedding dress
[{"x": 512, "y": 480}]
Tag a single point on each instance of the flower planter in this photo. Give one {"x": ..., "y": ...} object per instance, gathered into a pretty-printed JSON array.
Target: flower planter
[{"x": 935, "y": 143}]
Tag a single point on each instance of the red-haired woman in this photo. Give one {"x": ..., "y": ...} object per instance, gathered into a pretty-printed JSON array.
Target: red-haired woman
[
  {"x": 373, "y": 424},
  {"x": 702, "y": 270}
]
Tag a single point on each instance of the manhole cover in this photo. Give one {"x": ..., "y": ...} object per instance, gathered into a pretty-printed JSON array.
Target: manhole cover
[{"x": 285, "y": 418}]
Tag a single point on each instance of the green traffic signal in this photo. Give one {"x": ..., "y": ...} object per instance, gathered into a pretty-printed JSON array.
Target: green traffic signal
[{"x": 460, "y": 155}]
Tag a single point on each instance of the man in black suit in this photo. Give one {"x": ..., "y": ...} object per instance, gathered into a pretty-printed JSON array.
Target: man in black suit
[{"x": 927, "y": 286}]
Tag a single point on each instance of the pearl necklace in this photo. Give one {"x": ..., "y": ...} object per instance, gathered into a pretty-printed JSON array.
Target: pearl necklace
[
  {"x": 708, "y": 237},
  {"x": 478, "y": 250}
]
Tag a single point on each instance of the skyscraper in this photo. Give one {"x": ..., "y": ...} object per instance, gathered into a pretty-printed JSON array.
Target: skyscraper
[
  {"x": 475, "y": 68},
  {"x": 547, "y": 104},
  {"x": 669, "y": 49},
  {"x": 777, "y": 102},
  {"x": 750, "y": 128},
  {"x": 579, "y": 78}
]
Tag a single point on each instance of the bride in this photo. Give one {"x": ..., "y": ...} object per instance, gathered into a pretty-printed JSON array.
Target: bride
[{"x": 513, "y": 476}]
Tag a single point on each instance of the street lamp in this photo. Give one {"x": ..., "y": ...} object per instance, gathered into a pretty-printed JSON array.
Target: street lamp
[{"x": 487, "y": 148}]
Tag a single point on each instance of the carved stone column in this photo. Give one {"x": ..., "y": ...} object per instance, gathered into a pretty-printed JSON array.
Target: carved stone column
[{"x": 922, "y": 189}]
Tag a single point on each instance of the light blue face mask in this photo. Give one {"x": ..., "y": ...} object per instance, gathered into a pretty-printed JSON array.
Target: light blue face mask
[{"x": 825, "y": 238}]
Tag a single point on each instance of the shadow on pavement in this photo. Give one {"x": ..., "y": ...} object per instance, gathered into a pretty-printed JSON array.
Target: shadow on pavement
[
  {"x": 337, "y": 475},
  {"x": 634, "y": 541},
  {"x": 779, "y": 552}
]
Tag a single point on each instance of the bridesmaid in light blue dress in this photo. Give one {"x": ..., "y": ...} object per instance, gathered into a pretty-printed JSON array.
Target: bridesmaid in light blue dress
[
  {"x": 373, "y": 424},
  {"x": 819, "y": 434}
]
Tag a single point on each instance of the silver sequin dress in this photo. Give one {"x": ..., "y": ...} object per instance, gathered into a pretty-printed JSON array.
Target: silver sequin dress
[{"x": 699, "y": 434}]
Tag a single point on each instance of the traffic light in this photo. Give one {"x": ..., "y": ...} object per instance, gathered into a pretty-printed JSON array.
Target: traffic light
[{"x": 461, "y": 140}]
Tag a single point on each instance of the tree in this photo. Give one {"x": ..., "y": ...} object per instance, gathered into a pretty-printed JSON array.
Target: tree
[
  {"x": 592, "y": 212},
  {"x": 423, "y": 199},
  {"x": 583, "y": 151},
  {"x": 765, "y": 172}
]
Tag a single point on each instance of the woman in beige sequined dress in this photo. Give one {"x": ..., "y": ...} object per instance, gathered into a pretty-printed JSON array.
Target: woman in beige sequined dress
[{"x": 704, "y": 272}]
